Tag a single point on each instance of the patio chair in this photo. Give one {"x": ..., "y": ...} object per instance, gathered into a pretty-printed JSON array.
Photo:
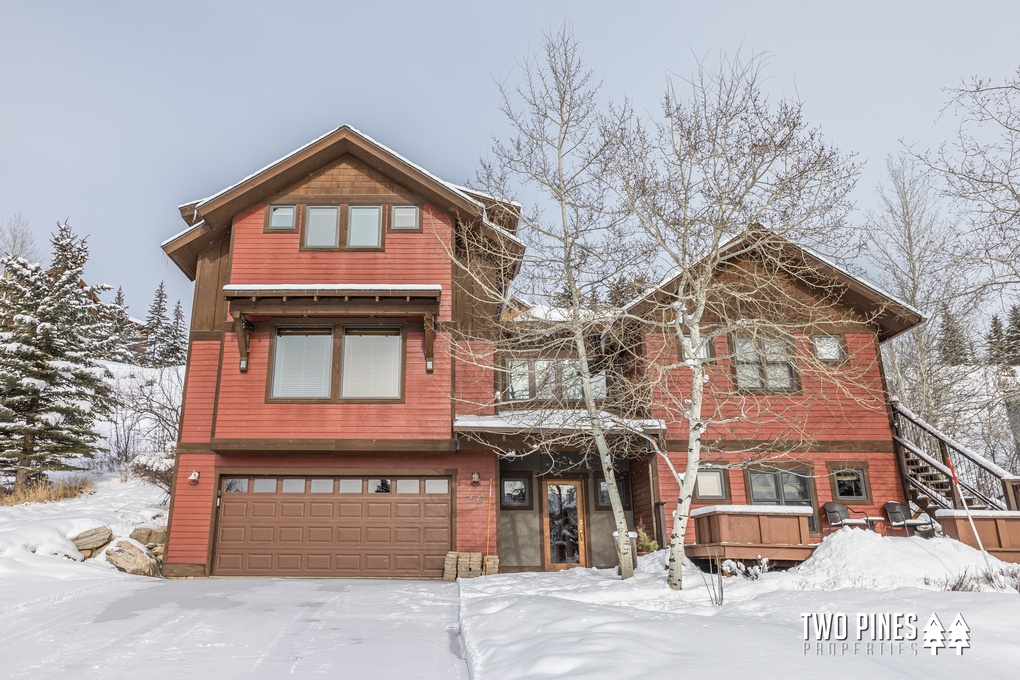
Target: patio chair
[
  {"x": 900, "y": 517},
  {"x": 839, "y": 516}
]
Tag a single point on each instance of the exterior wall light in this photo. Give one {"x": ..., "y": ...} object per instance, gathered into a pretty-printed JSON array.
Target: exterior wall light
[
  {"x": 193, "y": 478},
  {"x": 475, "y": 479}
]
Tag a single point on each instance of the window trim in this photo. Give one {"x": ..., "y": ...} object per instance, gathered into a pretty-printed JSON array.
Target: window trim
[
  {"x": 727, "y": 491},
  {"x": 345, "y": 223},
  {"x": 337, "y": 328},
  {"x": 529, "y": 488},
  {"x": 559, "y": 395},
  {"x": 623, "y": 477},
  {"x": 838, "y": 466},
  {"x": 777, "y": 467},
  {"x": 391, "y": 219},
  {"x": 844, "y": 355},
  {"x": 268, "y": 229},
  {"x": 761, "y": 363}
]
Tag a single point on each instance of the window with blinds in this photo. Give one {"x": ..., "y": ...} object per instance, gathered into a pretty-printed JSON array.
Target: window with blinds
[
  {"x": 372, "y": 361},
  {"x": 303, "y": 363}
]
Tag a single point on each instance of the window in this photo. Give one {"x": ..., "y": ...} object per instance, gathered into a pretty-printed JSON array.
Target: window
[
  {"x": 322, "y": 229},
  {"x": 372, "y": 363},
  {"x": 364, "y": 226},
  {"x": 378, "y": 486},
  {"x": 762, "y": 364},
  {"x": 349, "y": 486},
  {"x": 303, "y": 362},
  {"x": 515, "y": 492},
  {"x": 405, "y": 218},
  {"x": 849, "y": 482},
  {"x": 549, "y": 379},
  {"x": 782, "y": 487},
  {"x": 293, "y": 486},
  {"x": 702, "y": 352},
  {"x": 829, "y": 348},
  {"x": 437, "y": 486},
  {"x": 602, "y": 501},
  {"x": 322, "y": 486},
  {"x": 264, "y": 486},
  {"x": 408, "y": 486},
  {"x": 282, "y": 218},
  {"x": 711, "y": 485},
  {"x": 236, "y": 486}
]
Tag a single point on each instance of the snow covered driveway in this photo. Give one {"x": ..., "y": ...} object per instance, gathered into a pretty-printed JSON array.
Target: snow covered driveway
[{"x": 236, "y": 628}]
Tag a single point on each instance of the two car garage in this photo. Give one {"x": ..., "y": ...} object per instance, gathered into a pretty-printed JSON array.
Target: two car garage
[{"x": 367, "y": 526}]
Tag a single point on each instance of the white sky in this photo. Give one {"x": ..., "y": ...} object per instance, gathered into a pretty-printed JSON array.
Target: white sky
[{"x": 113, "y": 113}]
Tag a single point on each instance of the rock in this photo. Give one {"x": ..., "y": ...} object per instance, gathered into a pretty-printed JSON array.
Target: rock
[
  {"x": 130, "y": 556},
  {"x": 92, "y": 539},
  {"x": 148, "y": 534}
]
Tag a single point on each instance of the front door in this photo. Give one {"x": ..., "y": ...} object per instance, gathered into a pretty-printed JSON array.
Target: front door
[{"x": 563, "y": 524}]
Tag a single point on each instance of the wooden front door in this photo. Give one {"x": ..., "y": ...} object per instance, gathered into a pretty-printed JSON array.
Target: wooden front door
[{"x": 564, "y": 523}]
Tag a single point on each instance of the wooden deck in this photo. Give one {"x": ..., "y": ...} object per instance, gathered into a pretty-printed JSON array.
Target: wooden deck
[{"x": 743, "y": 532}]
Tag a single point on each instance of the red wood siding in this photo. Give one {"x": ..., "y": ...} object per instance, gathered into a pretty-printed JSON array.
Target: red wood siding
[
  {"x": 203, "y": 367},
  {"x": 408, "y": 258},
  {"x": 425, "y": 414},
  {"x": 193, "y": 504},
  {"x": 475, "y": 384}
]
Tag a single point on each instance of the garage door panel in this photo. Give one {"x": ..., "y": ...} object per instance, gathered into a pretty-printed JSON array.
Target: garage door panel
[
  {"x": 318, "y": 509},
  {"x": 320, "y": 534},
  {"x": 350, "y": 509},
  {"x": 343, "y": 532},
  {"x": 437, "y": 510},
  {"x": 263, "y": 509}
]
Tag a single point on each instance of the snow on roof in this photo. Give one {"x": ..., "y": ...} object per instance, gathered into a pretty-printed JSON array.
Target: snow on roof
[
  {"x": 334, "y": 287},
  {"x": 754, "y": 510},
  {"x": 552, "y": 419},
  {"x": 469, "y": 190},
  {"x": 196, "y": 225},
  {"x": 981, "y": 514}
]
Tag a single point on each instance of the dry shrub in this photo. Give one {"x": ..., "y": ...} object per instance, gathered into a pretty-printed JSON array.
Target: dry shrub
[{"x": 44, "y": 491}]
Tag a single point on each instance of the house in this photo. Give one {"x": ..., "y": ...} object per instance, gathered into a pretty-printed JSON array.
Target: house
[{"x": 333, "y": 427}]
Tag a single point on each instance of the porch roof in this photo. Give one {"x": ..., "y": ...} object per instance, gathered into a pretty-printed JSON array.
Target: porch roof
[{"x": 554, "y": 420}]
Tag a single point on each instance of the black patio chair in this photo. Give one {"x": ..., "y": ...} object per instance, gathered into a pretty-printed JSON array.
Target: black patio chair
[
  {"x": 839, "y": 516},
  {"x": 900, "y": 517}
]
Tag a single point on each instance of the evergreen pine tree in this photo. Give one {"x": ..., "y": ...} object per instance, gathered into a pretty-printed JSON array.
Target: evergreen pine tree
[
  {"x": 620, "y": 292},
  {"x": 996, "y": 341},
  {"x": 1011, "y": 337},
  {"x": 177, "y": 347},
  {"x": 126, "y": 329},
  {"x": 952, "y": 342},
  {"x": 53, "y": 331},
  {"x": 158, "y": 326}
]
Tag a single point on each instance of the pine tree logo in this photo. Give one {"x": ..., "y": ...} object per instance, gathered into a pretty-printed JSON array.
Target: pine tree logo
[
  {"x": 959, "y": 635},
  {"x": 934, "y": 634}
]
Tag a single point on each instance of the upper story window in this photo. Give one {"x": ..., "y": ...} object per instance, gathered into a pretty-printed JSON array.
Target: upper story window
[
  {"x": 371, "y": 363},
  {"x": 281, "y": 218},
  {"x": 364, "y": 226},
  {"x": 405, "y": 218},
  {"x": 549, "y": 380},
  {"x": 322, "y": 228},
  {"x": 829, "y": 348},
  {"x": 763, "y": 363},
  {"x": 303, "y": 363}
]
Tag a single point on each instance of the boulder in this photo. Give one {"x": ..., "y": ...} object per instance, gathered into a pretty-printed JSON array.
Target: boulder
[
  {"x": 130, "y": 556},
  {"x": 149, "y": 534},
  {"x": 92, "y": 539}
]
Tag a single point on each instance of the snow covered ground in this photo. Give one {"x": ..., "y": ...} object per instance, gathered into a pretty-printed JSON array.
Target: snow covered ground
[
  {"x": 60, "y": 617},
  {"x": 585, "y": 623}
]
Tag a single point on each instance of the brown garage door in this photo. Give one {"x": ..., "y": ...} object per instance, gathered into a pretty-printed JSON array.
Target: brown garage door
[{"x": 332, "y": 526}]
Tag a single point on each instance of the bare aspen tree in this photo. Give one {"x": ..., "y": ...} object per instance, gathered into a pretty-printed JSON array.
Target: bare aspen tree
[
  {"x": 980, "y": 167},
  {"x": 547, "y": 342},
  {"x": 723, "y": 184},
  {"x": 17, "y": 239}
]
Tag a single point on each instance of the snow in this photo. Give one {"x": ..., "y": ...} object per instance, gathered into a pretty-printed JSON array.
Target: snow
[
  {"x": 587, "y": 623},
  {"x": 551, "y": 419},
  {"x": 753, "y": 510},
  {"x": 977, "y": 513},
  {"x": 332, "y": 287}
]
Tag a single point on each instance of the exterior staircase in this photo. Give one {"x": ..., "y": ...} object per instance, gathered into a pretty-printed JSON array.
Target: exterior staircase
[{"x": 928, "y": 458}]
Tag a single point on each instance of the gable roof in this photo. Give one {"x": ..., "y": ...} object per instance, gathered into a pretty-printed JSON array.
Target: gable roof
[
  {"x": 891, "y": 315},
  {"x": 209, "y": 218}
]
